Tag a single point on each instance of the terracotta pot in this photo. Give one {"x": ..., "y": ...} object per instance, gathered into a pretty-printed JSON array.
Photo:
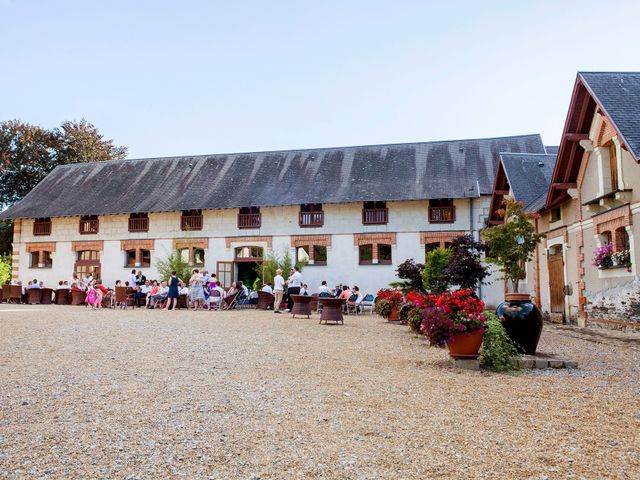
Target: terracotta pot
[
  {"x": 394, "y": 315},
  {"x": 522, "y": 320},
  {"x": 466, "y": 345}
]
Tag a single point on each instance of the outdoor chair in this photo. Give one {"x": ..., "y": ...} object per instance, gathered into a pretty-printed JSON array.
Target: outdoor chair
[
  {"x": 123, "y": 298},
  {"x": 45, "y": 296},
  {"x": 62, "y": 296},
  {"x": 12, "y": 293},
  {"x": 265, "y": 300},
  {"x": 215, "y": 300},
  {"x": 33, "y": 296},
  {"x": 320, "y": 297},
  {"x": 183, "y": 301},
  {"x": 367, "y": 303},
  {"x": 352, "y": 306},
  {"x": 77, "y": 297}
]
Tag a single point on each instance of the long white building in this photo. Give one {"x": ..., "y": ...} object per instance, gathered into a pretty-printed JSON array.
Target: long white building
[{"x": 352, "y": 213}]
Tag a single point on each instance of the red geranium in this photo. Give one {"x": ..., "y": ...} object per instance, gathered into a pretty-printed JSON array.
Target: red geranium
[{"x": 394, "y": 297}]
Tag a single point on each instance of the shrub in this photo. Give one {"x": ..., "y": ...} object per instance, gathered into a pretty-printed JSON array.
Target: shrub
[
  {"x": 5, "y": 269},
  {"x": 465, "y": 267},
  {"x": 273, "y": 262},
  {"x": 497, "y": 348},
  {"x": 174, "y": 262},
  {"x": 416, "y": 302},
  {"x": 411, "y": 274},
  {"x": 383, "y": 308},
  {"x": 450, "y": 314},
  {"x": 433, "y": 277}
]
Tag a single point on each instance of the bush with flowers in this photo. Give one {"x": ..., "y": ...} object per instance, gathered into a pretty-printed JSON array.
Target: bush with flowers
[
  {"x": 602, "y": 256},
  {"x": 416, "y": 302},
  {"x": 452, "y": 313},
  {"x": 387, "y": 300}
]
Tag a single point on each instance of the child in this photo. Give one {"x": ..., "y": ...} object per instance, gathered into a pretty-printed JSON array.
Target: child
[{"x": 90, "y": 299}]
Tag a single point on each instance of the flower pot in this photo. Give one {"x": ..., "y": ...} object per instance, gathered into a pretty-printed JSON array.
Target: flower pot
[
  {"x": 394, "y": 315},
  {"x": 466, "y": 345},
  {"x": 522, "y": 320}
]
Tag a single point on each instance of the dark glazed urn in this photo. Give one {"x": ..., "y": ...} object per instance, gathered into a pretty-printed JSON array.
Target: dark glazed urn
[{"x": 522, "y": 320}]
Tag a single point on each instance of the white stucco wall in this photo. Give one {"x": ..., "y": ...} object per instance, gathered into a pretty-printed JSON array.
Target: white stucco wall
[{"x": 406, "y": 220}]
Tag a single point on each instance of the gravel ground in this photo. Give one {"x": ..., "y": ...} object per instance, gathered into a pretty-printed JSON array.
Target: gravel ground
[{"x": 248, "y": 395}]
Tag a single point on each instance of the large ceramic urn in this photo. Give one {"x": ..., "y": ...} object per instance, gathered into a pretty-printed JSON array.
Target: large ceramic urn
[{"x": 522, "y": 320}]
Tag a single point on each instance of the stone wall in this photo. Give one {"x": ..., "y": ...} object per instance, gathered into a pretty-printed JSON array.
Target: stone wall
[{"x": 616, "y": 308}]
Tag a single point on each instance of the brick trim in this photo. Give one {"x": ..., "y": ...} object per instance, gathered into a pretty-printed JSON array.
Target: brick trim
[
  {"x": 374, "y": 238},
  {"x": 440, "y": 237},
  {"x": 249, "y": 240},
  {"x": 605, "y": 133},
  {"x": 137, "y": 245},
  {"x": 300, "y": 240},
  {"x": 38, "y": 247},
  {"x": 613, "y": 219},
  {"x": 91, "y": 245},
  {"x": 180, "y": 243}
]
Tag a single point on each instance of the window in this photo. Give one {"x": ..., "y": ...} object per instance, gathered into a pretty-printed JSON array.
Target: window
[
  {"x": 191, "y": 220},
  {"x": 556, "y": 214},
  {"x": 442, "y": 210},
  {"x": 130, "y": 258},
  {"x": 621, "y": 239},
  {"x": 375, "y": 213},
  {"x": 311, "y": 215},
  {"x": 198, "y": 257},
  {"x": 89, "y": 224},
  {"x": 365, "y": 254},
  {"x": 384, "y": 254},
  {"x": 302, "y": 254},
  {"x": 87, "y": 255},
  {"x": 320, "y": 255},
  {"x": 145, "y": 258},
  {"x": 48, "y": 261},
  {"x": 34, "y": 257},
  {"x": 249, "y": 253},
  {"x": 42, "y": 226},
  {"x": 139, "y": 222},
  {"x": 249, "y": 217},
  {"x": 606, "y": 237},
  {"x": 185, "y": 255}
]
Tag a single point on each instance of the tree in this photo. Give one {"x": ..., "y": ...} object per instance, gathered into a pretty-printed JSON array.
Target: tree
[
  {"x": 465, "y": 267},
  {"x": 433, "y": 277},
  {"x": 29, "y": 152},
  {"x": 6, "y": 236},
  {"x": 5, "y": 269},
  {"x": 174, "y": 263},
  {"x": 512, "y": 243},
  {"x": 272, "y": 262},
  {"x": 411, "y": 274}
]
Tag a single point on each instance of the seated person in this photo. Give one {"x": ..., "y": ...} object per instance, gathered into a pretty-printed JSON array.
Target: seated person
[
  {"x": 324, "y": 288},
  {"x": 216, "y": 295},
  {"x": 360, "y": 296},
  {"x": 230, "y": 295},
  {"x": 346, "y": 293},
  {"x": 142, "y": 292},
  {"x": 161, "y": 296},
  {"x": 151, "y": 293},
  {"x": 65, "y": 285},
  {"x": 184, "y": 290},
  {"x": 34, "y": 284},
  {"x": 266, "y": 287},
  {"x": 304, "y": 289}
]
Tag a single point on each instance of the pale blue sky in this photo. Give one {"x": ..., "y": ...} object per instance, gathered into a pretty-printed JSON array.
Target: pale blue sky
[{"x": 196, "y": 77}]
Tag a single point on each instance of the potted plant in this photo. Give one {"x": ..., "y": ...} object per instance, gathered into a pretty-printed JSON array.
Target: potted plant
[
  {"x": 622, "y": 258},
  {"x": 511, "y": 246},
  {"x": 602, "y": 256},
  {"x": 455, "y": 319},
  {"x": 388, "y": 303},
  {"x": 416, "y": 301}
]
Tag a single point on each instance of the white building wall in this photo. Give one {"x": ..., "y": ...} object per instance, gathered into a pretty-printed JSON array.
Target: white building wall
[{"x": 406, "y": 220}]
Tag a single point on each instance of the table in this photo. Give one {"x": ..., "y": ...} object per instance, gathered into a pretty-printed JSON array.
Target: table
[
  {"x": 265, "y": 300},
  {"x": 331, "y": 310},
  {"x": 301, "y": 305}
]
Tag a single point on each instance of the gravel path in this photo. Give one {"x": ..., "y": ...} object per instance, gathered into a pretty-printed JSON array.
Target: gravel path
[{"x": 247, "y": 395}]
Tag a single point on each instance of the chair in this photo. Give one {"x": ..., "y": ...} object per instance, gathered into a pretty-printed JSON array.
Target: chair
[
  {"x": 62, "y": 296},
  {"x": 215, "y": 299},
  {"x": 123, "y": 298},
  {"x": 183, "y": 301},
  {"x": 12, "y": 293},
  {"x": 77, "y": 297},
  {"x": 265, "y": 300},
  {"x": 367, "y": 303},
  {"x": 320, "y": 297},
  {"x": 33, "y": 296},
  {"x": 314, "y": 302},
  {"x": 352, "y": 307},
  {"x": 45, "y": 296}
]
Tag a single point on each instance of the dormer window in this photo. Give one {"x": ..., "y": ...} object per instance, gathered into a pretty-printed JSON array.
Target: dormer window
[
  {"x": 249, "y": 217},
  {"x": 375, "y": 213},
  {"x": 311, "y": 215},
  {"x": 191, "y": 220},
  {"x": 442, "y": 210},
  {"x": 89, "y": 224},
  {"x": 42, "y": 226},
  {"x": 139, "y": 222}
]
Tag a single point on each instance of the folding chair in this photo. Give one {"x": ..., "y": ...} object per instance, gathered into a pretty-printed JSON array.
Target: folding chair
[
  {"x": 351, "y": 305},
  {"x": 215, "y": 300},
  {"x": 367, "y": 303}
]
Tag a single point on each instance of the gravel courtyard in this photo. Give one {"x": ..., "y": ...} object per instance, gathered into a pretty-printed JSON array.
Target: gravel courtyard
[{"x": 151, "y": 394}]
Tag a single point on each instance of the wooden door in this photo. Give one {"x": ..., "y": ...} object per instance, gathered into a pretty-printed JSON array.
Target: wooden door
[
  {"x": 224, "y": 271},
  {"x": 556, "y": 283}
]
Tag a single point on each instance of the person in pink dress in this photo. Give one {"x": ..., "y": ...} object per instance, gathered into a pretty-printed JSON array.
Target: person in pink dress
[{"x": 90, "y": 299}]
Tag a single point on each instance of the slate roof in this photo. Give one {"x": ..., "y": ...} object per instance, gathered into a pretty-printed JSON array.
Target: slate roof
[
  {"x": 411, "y": 171},
  {"x": 552, "y": 150},
  {"x": 618, "y": 93},
  {"x": 529, "y": 176}
]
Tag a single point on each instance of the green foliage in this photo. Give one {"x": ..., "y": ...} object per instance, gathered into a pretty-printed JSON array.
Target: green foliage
[
  {"x": 257, "y": 283},
  {"x": 383, "y": 308},
  {"x": 511, "y": 244},
  {"x": 271, "y": 262},
  {"x": 174, "y": 262},
  {"x": 497, "y": 348},
  {"x": 433, "y": 277},
  {"x": 6, "y": 237},
  {"x": 5, "y": 269},
  {"x": 29, "y": 152},
  {"x": 414, "y": 319}
]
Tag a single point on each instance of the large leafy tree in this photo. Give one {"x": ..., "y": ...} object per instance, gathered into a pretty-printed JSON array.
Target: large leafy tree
[
  {"x": 512, "y": 243},
  {"x": 29, "y": 152}
]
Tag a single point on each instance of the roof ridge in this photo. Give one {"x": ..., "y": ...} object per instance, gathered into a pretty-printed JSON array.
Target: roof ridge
[{"x": 199, "y": 156}]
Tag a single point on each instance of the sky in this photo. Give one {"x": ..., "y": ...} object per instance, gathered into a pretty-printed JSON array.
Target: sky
[{"x": 187, "y": 77}]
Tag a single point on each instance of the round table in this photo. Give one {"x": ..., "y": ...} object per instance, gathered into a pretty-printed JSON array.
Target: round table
[
  {"x": 265, "y": 300},
  {"x": 331, "y": 309},
  {"x": 301, "y": 305}
]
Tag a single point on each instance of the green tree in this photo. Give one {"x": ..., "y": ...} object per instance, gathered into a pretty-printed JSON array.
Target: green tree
[
  {"x": 512, "y": 243},
  {"x": 174, "y": 263},
  {"x": 272, "y": 262},
  {"x": 5, "y": 269},
  {"x": 433, "y": 277},
  {"x": 6, "y": 236}
]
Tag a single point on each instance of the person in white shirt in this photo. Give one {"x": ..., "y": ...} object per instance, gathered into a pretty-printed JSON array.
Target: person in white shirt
[
  {"x": 303, "y": 289},
  {"x": 324, "y": 288},
  {"x": 87, "y": 280},
  {"x": 184, "y": 290},
  {"x": 267, "y": 288},
  {"x": 278, "y": 290},
  {"x": 295, "y": 282},
  {"x": 356, "y": 291},
  {"x": 133, "y": 279},
  {"x": 213, "y": 298}
]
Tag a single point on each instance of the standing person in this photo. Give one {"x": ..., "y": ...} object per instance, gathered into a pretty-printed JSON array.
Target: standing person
[
  {"x": 278, "y": 290},
  {"x": 295, "y": 282},
  {"x": 91, "y": 297},
  {"x": 197, "y": 292},
  {"x": 133, "y": 280},
  {"x": 140, "y": 278},
  {"x": 174, "y": 293}
]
